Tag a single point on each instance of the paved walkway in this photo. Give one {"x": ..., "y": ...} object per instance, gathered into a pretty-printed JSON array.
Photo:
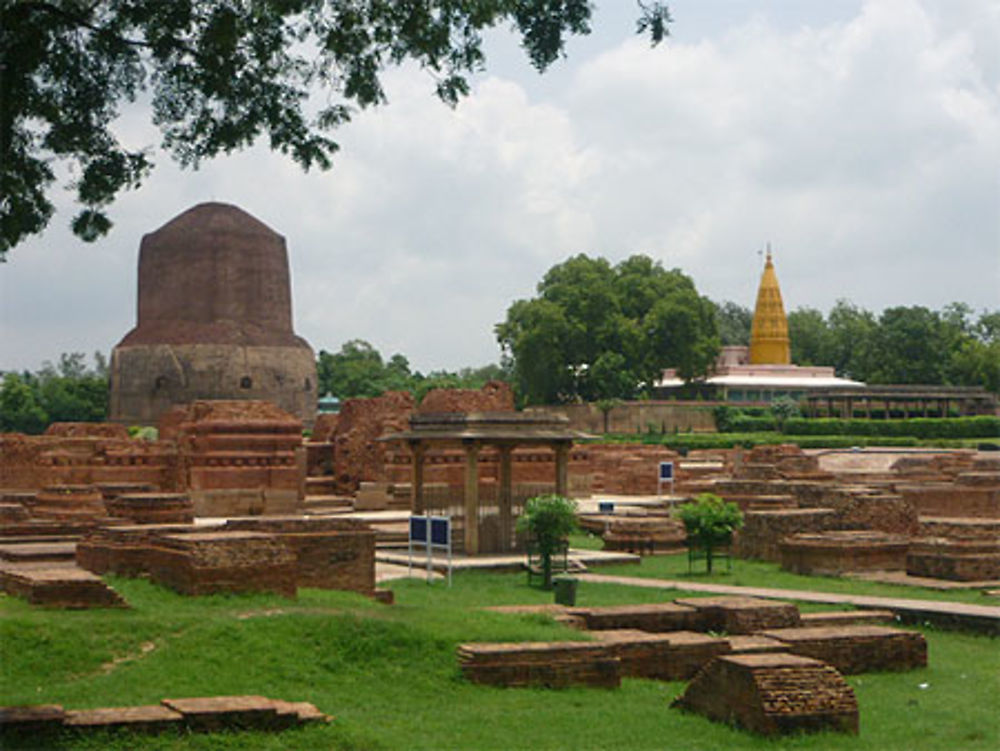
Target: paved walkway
[{"x": 985, "y": 618}]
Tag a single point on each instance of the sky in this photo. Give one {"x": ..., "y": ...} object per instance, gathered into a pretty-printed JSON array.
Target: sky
[{"x": 859, "y": 138}]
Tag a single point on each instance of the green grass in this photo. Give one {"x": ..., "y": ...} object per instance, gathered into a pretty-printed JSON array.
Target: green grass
[
  {"x": 763, "y": 574},
  {"x": 389, "y": 674}
]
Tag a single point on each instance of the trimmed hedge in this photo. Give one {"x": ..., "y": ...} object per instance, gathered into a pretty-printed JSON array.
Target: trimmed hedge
[
  {"x": 984, "y": 426},
  {"x": 697, "y": 441}
]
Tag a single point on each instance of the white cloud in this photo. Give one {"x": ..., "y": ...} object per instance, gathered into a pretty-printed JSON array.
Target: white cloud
[{"x": 864, "y": 147}]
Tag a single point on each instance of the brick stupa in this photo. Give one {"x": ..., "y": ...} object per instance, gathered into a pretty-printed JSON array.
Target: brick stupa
[{"x": 214, "y": 320}]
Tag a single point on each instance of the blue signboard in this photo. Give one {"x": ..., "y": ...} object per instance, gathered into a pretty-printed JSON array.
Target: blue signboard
[
  {"x": 440, "y": 530},
  {"x": 606, "y": 507},
  {"x": 666, "y": 471},
  {"x": 418, "y": 529}
]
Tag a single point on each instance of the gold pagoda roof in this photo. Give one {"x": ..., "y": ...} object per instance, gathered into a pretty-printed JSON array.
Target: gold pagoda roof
[{"x": 769, "y": 343}]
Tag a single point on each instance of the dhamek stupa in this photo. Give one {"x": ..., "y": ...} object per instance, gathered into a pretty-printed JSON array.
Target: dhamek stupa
[
  {"x": 214, "y": 320},
  {"x": 763, "y": 371}
]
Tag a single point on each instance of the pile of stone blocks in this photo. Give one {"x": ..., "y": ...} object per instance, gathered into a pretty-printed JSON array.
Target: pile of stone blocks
[
  {"x": 857, "y": 648},
  {"x": 773, "y": 694},
  {"x": 201, "y": 714},
  {"x": 843, "y": 551},
  {"x": 544, "y": 664}
]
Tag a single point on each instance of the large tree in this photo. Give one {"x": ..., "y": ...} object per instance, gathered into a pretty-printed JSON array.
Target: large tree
[
  {"x": 598, "y": 332},
  {"x": 221, "y": 75}
]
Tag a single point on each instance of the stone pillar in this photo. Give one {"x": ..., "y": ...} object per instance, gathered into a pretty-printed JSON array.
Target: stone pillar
[
  {"x": 562, "y": 468},
  {"x": 471, "y": 497},
  {"x": 505, "y": 493},
  {"x": 417, "y": 450}
]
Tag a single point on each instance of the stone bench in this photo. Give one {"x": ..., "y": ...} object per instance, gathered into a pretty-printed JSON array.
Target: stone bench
[
  {"x": 856, "y": 649},
  {"x": 545, "y": 664}
]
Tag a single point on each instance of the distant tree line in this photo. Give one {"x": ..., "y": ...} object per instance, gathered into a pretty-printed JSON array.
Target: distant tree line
[
  {"x": 905, "y": 345},
  {"x": 359, "y": 370},
  {"x": 69, "y": 391}
]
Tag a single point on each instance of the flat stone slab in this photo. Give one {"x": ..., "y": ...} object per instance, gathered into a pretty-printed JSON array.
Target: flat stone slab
[
  {"x": 149, "y": 718},
  {"x": 656, "y": 617},
  {"x": 31, "y": 718},
  {"x": 848, "y": 617},
  {"x": 755, "y": 644},
  {"x": 38, "y": 551},
  {"x": 217, "y": 712}
]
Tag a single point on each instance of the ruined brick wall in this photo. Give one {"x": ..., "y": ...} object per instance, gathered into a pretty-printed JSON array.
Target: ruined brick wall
[
  {"x": 495, "y": 396},
  {"x": 673, "y": 656},
  {"x": 763, "y": 530},
  {"x": 85, "y": 453},
  {"x": 237, "y": 457},
  {"x": 952, "y": 499},
  {"x": 357, "y": 456},
  {"x": 627, "y": 468}
]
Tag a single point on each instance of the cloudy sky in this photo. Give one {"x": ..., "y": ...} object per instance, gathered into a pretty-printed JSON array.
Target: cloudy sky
[{"x": 861, "y": 139}]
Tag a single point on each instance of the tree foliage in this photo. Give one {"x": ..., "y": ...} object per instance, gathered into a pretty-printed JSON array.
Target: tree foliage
[
  {"x": 710, "y": 521},
  {"x": 548, "y": 520},
  {"x": 65, "y": 392},
  {"x": 358, "y": 370},
  {"x": 598, "y": 331},
  {"x": 735, "y": 322},
  {"x": 904, "y": 344},
  {"x": 222, "y": 74}
]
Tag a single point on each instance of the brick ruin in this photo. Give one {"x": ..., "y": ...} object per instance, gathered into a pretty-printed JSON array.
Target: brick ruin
[{"x": 769, "y": 679}]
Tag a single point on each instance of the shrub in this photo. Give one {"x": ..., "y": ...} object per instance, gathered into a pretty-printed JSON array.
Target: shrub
[
  {"x": 710, "y": 521},
  {"x": 548, "y": 520}
]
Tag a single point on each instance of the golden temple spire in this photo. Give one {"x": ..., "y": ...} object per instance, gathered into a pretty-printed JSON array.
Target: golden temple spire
[{"x": 769, "y": 332}]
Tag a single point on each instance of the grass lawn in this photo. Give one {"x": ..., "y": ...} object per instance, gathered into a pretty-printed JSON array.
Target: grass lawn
[{"x": 389, "y": 675}]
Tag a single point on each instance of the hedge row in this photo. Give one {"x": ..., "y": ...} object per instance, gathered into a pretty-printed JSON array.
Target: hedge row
[
  {"x": 698, "y": 441},
  {"x": 984, "y": 426}
]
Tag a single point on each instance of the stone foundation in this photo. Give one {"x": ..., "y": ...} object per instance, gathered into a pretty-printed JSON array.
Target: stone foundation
[
  {"x": 856, "y": 649},
  {"x": 544, "y": 664},
  {"x": 838, "y": 552},
  {"x": 773, "y": 694},
  {"x": 59, "y": 587}
]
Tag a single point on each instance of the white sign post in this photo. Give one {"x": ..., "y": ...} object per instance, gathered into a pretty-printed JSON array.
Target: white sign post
[{"x": 431, "y": 532}]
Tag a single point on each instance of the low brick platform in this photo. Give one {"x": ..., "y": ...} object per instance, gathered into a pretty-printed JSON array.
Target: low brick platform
[
  {"x": 12, "y": 512},
  {"x": 124, "y": 550},
  {"x": 205, "y": 714},
  {"x": 954, "y": 560},
  {"x": 198, "y": 563},
  {"x": 773, "y": 694},
  {"x": 754, "y": 644},
  {"x": 330, "y": 553},
  {"x": 856, "y": 649},
  {"x": 152, "y": 508},
  {"x": 763, "y": 530},
  {"x": 673, "y": 656},
  {"x": 69, "y": 503},
  {"x": 741, "y": 615},
  {"x": 545, "y": 664},
  {"x": 655, "y": 617},
  {"x": 841, "y": 551},
  {"x": 58, "y": 587}
]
